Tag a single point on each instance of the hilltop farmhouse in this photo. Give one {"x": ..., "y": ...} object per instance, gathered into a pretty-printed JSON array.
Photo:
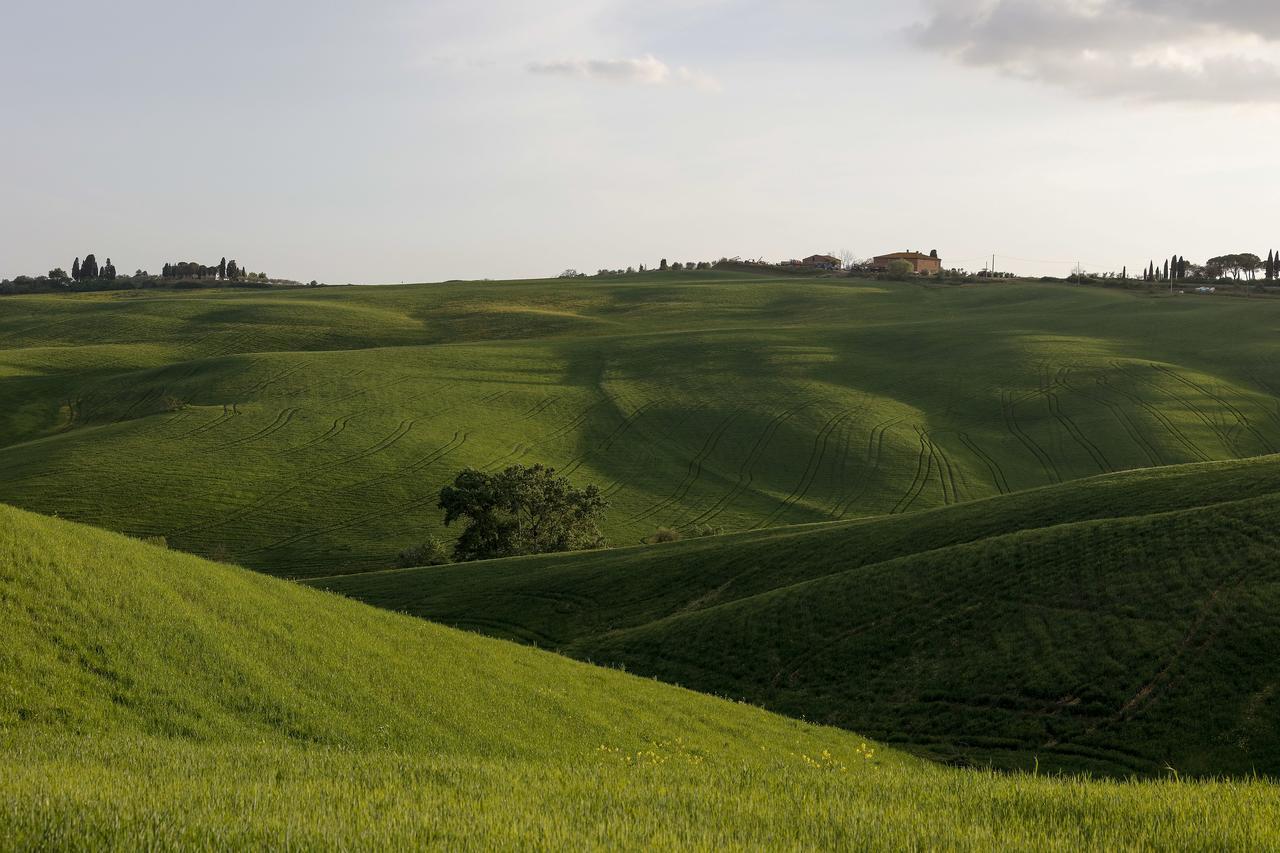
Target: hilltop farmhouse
[
  {"x": 815, "y": 262},
  {"x": 921, "y": 263}
]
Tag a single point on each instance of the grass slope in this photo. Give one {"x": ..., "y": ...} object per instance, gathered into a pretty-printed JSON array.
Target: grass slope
[
  {"x": 307, "y": 432},
  {"x": 151, "y": 700},
  {"x": 1114, "y": 625}
]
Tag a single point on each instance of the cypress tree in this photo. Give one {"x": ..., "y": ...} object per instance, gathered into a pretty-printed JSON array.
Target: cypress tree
[
  {"x": 222, "y": 269},
  {"x": 75, "y": 270},
  {"x": 89, "y": 269}
]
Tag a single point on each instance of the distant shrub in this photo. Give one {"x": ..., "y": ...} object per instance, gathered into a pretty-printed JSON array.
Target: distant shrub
[
  {"x": 900, "y": 270},
  {"x": 704, "y": 530},
  {"x": 157, "y": 541},
  {"x": 663, "y": 535},
  {"x": 433, "y": 552}
]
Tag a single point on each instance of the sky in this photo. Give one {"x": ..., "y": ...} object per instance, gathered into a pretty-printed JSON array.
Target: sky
[{"x": 423, "y": 140}]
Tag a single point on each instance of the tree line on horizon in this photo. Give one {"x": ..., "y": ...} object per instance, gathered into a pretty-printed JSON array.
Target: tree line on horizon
[
  {"x": 1244, "y": 266},
  {"x": 88, "y": 274}
]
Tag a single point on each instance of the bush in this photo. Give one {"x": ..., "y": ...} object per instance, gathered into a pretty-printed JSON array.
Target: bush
[
  {"x": 433, "y": 552},
  {"x": 900, "y": 270},
  {"x": 704, "y": 530},
  {"x": 663, "y": 535},
  {"x": 157, "y": 541}
]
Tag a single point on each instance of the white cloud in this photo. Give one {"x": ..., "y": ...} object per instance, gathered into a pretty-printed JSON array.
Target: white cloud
[
  {"x": 647, "y": 70},
  {"x": 1211, "y": 51}
]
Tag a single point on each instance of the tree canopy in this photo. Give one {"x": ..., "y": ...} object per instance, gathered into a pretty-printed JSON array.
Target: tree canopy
[{"x": 522, "y": 510}]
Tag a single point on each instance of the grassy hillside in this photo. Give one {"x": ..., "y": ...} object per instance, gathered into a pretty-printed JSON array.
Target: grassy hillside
[
  {"x": 153, "y": 700},
  {"x": 307, "y": 432},
  {"x": 1116, "y": 625}
]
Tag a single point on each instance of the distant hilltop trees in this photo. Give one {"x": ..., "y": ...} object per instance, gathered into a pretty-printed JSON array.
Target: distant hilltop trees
[
  {"x": 87, "y": 274},
  {"x": 89, "y": 270},
  {"x": 224, "y": 270}
]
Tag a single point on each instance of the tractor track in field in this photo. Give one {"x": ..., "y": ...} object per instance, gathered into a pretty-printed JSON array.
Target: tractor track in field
[
  {"x": 1274, "y": 411},
  {"x": 383, "y": 513},
  {"x": 338, "y": 427},
  {"x": 1225, "y": 434},
  {"x": 149, "y": 394},
  {"x": 540, "y": 407},
  {"x": 694, "y": 472},
  {"x": 518, "y": 451},
  {"x": 1068, "y": 423},
  {"x": 390, "y": 440},
  {"x": 746, "y": 471},
  {"x": 228, "y": 412},
  {"x": 399, "y": 380},
  {"x": 620, "y": 430},
  {"x": 812, "y": 468},
  {"x": 1200, "y": 636},
  {"x": 997, "y": 473},
  {"x": 924, "y": 467},
  {"x": 420, "y": 464},
  {"x": 235, "y": 515},
  {"x": 282, "y": 420},
  {"x": 1241, "y": 418},
  {"x": 875, "y": 453},
  {"x": 790, "y": 671},
  {"x": 565, "y": 429},
  {"x": 991, "y": 463},
  {"x": 1160, "y": 417},
  {"x": 1122, "y": 417},
  {"x": 262, "y": 385},
  {"x": 1009, "y": 409},
  {"x": 494, "y": 627},
  {"x": 842, "y": 468},
  {"x": 945, "y": 464}
]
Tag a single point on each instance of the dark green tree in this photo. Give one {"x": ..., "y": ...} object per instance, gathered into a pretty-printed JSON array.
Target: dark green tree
[
  {"x": 89, "y": 269},
  {"x": 522, "y": 510},
  {"x": 75, "y": 270},
  {"x": 222, "y": 269},
  {"x": 233, "y": 270}
]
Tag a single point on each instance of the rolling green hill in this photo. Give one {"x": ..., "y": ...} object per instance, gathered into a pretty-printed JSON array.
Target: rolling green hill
[
  {"x": 1119, "y": 624},
  {"x": 307, "y": 432},
  {"x": 152, "y": 700}
]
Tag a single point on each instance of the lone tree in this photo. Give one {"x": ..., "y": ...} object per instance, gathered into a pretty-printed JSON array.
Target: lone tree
[
  {"x": 522, "y": 510},
  {"x": 75, "y": 270}
]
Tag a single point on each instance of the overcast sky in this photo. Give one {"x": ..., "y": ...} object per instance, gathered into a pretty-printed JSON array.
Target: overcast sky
[{"x": 420, "y": 140}]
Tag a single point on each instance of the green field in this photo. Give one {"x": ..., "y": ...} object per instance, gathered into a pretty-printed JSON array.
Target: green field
[
  {"x": 152, "y": 700},
  {"x": 1119, "y": 625},
  {"x": 306, "y": 433}
]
